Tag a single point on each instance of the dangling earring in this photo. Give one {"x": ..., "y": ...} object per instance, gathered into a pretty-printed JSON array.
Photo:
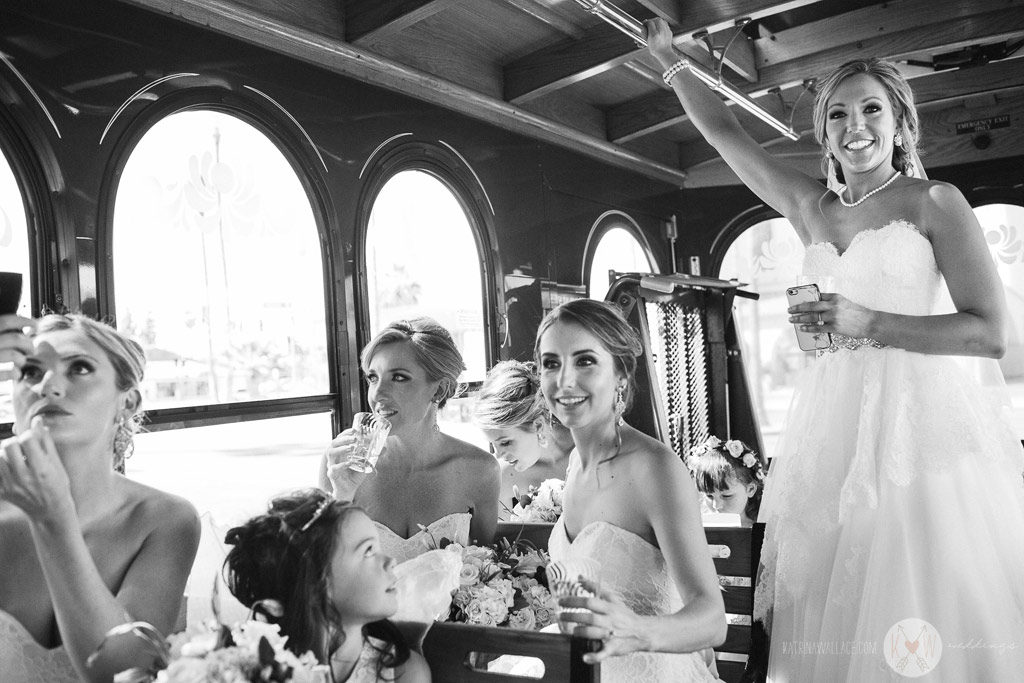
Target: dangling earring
[
  {"x": 542, "y": 434},
  {"x": 124, "y": 444},
  {"x": 898, "y": 139},
  {"x": 832, "y": 179},
  {"x": 620, "y": 405}
]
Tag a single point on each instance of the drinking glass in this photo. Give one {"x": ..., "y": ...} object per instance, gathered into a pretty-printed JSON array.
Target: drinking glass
[
  {"x": 565, "y": 578},
  {"x": 371, "y": 431}
]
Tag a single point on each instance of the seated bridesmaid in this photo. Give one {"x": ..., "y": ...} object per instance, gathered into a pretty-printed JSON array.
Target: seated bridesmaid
[
  {"x": 529, "y": 446},
  {"x": 321, "y": 560},
  {"x": 630, "y": 511},
  {"x": 84, "y": 549},
  {"x": 427, "y": 485}
]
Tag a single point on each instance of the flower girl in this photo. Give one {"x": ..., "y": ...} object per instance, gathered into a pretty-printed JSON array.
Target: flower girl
[
  {"x": 321, "y": 560},
  {"x": 731, "y": 477}
]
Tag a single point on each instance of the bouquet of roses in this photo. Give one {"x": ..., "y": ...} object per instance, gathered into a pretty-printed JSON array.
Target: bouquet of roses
[
  {"x": 502, "y": 586},
  {"x": 250, "y": 652},
  {"x": 540, "y": 504}
]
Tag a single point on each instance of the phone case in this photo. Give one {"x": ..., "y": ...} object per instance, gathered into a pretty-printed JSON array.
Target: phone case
[
  {"x": 10, "y": 292},
  {"x": 808, "y": 341}
]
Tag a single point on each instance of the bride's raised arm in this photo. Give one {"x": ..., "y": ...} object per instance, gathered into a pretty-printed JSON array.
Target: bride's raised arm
[{"x": 778, "y": 184}]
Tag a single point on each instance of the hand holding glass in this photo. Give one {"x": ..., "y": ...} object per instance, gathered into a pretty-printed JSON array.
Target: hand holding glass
[
  {"x": 371, "y": 432},
  {"x": 565, "y": 577}
]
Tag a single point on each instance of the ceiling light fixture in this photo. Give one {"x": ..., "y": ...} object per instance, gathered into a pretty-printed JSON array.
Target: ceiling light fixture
[{"x": 635, "y": 30}]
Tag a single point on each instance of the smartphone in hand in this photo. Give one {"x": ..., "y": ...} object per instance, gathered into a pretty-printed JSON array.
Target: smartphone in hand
[
  {"x": 10, "y": 292},
  {"x": 808, "y": 341}
]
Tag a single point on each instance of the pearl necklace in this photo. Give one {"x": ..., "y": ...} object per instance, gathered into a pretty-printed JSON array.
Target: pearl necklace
[{"x": 881, "y": 187}]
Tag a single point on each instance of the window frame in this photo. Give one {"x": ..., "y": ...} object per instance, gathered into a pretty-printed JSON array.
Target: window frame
[
  {"x": 462, "y": 182},
  {"x": 605, "y": 223},
  {"x": 308, "y": 169},
  {"x": 38, "y": 177}
]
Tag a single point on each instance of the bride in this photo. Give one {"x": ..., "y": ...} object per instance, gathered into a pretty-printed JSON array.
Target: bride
[
  {"x": 427, "y": 485},
  {"x": 894, "y": 507},
  {"x": 629, "y": 505}
]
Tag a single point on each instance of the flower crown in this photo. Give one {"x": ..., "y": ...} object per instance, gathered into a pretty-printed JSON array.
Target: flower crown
[{"x": 734, "y": 448}]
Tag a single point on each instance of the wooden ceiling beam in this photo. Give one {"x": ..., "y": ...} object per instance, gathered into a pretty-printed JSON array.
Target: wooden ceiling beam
[
  {"x": 867, "y": 24},
  {"x": 661, "y": 109},
  {"x": 603, "y": 47},
  {"x": 939, "y": 37},
  {"x": 669, "y": 10},
  {"x": 337, "y": 56},
  {"x": 538, "y": 10},
  {"x": 369, "y": 21}
]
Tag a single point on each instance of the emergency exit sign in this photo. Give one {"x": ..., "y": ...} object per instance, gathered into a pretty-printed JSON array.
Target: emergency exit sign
[{"x": 978, "y": 125}]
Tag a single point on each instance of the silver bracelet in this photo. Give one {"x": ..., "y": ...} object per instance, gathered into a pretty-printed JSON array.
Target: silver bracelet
[{"x": 671, "y": 72}]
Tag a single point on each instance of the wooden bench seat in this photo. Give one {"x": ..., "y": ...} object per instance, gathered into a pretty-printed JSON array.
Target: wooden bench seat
[{"x": 448, "y": 647}]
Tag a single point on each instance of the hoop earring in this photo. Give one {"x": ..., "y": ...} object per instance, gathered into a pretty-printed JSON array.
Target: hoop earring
[{"x": 620, "y": 406}]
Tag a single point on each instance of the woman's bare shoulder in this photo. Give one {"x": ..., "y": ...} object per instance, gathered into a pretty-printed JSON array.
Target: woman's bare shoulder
[
  {"x": 467, "y": 453},
  {"x": 648, "y": 456},
  {"x": 151, "y": 506}
]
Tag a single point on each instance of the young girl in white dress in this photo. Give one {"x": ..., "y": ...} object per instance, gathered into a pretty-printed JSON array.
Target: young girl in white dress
[
  {"x": 322, "y": 561},
  {"x": 630, "y": 507},
  {"x": 895, "y": 505}
]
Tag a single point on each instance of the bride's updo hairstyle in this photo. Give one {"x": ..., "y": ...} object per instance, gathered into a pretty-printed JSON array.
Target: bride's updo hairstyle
[
  {"x": 604, "y": 321},
  {"x": 433, "y": 348},
  {"x": 901, "y": 97},
  {"x": 285, "y": 555},
  {"x": 510, "y": 397}
]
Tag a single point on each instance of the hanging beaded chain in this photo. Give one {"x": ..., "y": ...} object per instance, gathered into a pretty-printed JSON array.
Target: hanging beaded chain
[
  {"x": 881, "y": 187},
  {"x": 671, "y": 72}
]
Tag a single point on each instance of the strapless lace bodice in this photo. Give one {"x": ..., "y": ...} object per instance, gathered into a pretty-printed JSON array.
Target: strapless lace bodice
[
  {"x": 636, "y": 571},
  {"x": 630, "y": 566},
  {"x": 23, "y": 660},
  {"x": 889, "y": 269},
  {"x": 454, "y": 527}
]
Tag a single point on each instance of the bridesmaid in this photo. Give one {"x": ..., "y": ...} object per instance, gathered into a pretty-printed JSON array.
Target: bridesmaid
[
  {"x": 84, "y": 548},
  {"x": 426, "y": 483},
  {"x": 629, "y": 506},
  {"x": 529, "y": 445}
]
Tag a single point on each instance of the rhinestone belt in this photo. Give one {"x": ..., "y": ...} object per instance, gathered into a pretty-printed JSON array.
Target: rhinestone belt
[{"x": 841, "y": 341}]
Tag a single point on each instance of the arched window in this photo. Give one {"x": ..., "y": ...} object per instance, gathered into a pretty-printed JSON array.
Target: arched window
[
  {"x": 767, "y": 256},
  {"x": 422, "y": 259},
  {"x": 233, "y": 308},
  {"x": 1004, "y": 231},
  {"x": 14, "y": 255},
  {"x": 615, "y": 243},
  {"x": 218, "y": 273}
]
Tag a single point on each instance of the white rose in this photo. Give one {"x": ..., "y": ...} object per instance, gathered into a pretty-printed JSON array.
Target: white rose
[
  {"x": 749, "y": 460},
  {"x": 543, "y": 616},
  {"x": 735, "y": 448},
  {"x": 523, "y": 619},
  {"x": 469, "y": 574}
]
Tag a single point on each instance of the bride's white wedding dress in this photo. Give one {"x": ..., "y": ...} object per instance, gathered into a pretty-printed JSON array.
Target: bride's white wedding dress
[
  {"x": 896, "y": 494},
  {"x": 636, "y": 571},
  {"x": 454, "y": 527},
  {"x": 23, "y": 660}
]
